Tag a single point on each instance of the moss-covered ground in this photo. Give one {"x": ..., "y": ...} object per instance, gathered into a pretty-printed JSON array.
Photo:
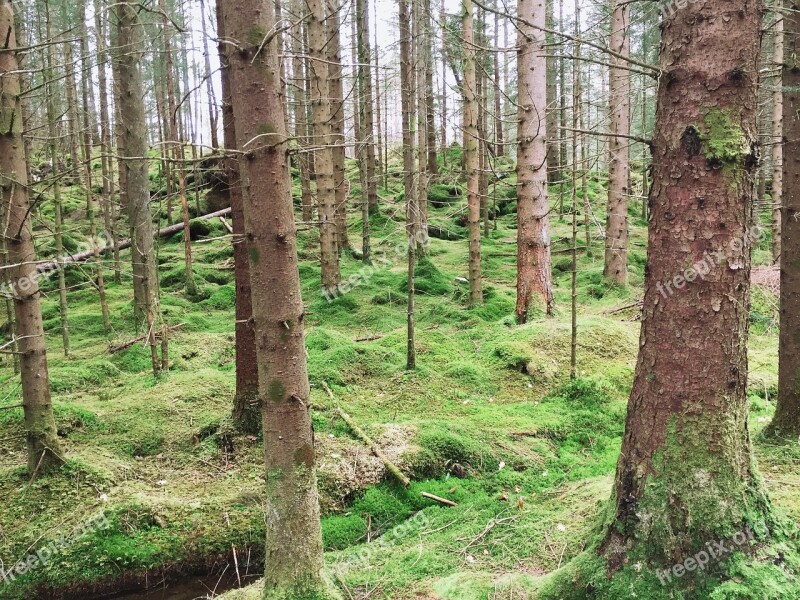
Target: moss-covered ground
[{"x": 489, "y": 420}]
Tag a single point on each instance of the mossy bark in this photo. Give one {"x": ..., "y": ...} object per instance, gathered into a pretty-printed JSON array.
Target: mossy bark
[
  {"x": 686, "y": 476},
  {"x": 44, "y": 447},
  {"x": 294, "y": 560}
]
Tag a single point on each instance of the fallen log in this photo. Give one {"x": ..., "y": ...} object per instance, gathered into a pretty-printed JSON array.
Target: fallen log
[
  {"x": 123, "y": 244},
  {"x": 141, "y": 338},
  {"x": 367, "y": 441}
]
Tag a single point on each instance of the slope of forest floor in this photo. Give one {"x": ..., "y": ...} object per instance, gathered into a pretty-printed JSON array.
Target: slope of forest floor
[{"x": 489, "y": 420}]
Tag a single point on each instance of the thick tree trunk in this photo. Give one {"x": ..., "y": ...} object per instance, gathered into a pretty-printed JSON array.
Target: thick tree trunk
[
  {"x": 133, "y": 155},
  {"x": 246, "y": 413},
  {"x": 471, "y": 158},
  {"x": 686, "y": 475},
  {"x": 318, "y": 69},
  {"x": 534, "y": 275},
  {"x": 293, "y": 553},
  {"x": 44, "y": 447},
  {"x": 787, "y": 414},
  {"x": 616, "y": 253}
]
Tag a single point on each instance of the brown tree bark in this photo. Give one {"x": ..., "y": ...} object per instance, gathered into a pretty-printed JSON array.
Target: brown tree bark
[
  {"x": 616, "y": 252},
  {"x": 407, "y": 100},
  {"x": 554, "y": 168},
  {"x": 133, "y": 156},
  {"x": 246, "y": 413},
  {"x": 334, "y": 57},
  {"x": 471, "y": 158},
  {"x": 786, "y": 422},
  {"x": 295, "y": 564},
  {"x": 686, "y": 474},
  {"x": 777, "y": 139},
  {"x": 44, "y": 447},
  {"x": 366, "y": 149},
  {"x": 178, "y": 153},
  {"x": 534, "y": 274},
  {"x": 323, "y": 139}
]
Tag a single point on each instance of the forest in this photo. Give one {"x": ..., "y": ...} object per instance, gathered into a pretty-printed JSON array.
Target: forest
[{"x": 400, "y": 299}]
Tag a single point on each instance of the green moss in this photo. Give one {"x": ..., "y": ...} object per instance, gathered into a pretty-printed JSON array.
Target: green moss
[{"x": 723, "y": 137}]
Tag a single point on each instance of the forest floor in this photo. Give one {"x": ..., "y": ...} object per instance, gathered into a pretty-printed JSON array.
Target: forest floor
[{"x": 489, "y": 420}]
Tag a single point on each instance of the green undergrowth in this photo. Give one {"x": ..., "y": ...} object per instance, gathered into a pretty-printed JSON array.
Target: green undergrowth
[{"x": 489, "y": 419}]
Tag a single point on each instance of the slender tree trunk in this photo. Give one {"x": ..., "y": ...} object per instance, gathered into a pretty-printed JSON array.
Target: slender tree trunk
[
  {"x": 133, "y": 155},
  {"x": 295, "y": 564},
  {"x": 787, "y": 414},
  {"x": 177, "y": 152},
  {"x": 44, "y": 447},
  {"x": 246, "y": 408},
  {"x": 409, "y": 107},
  {"x": 423, "y": 67},
  {"x": 334, "y": 57},
  {"x": 534, "y": 274},
  {"x": 213, "y": 114},
  {"x": 381, "y": 131},
  {"x": 777, "y": 141},
  {"x": 301, "y": 126},
  {"x": 369, "y": 192},
  {"x": 553, "y": 155},
  {"x": 471, "y": 158},
  {"x": 616, "y": 253},
  {"x": 323, "y": 138},
  {"x": 686, "y": 474},
  {"x": 430, "y": 117},
  {"x": 87, "y": 167},
  {"x": 105, "y": 138},
  {"x": 52, "y": 117}
]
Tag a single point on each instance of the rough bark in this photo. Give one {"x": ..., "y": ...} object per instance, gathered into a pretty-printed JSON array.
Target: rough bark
[
  {"x": 686, "y": 475},
  {"x": 534, "y": 275},
  {"x": 786, "y": 422},
  {"x": 471, "y": 158},
  {"x": 246, "y": 413},
  {"x": 133, "y": 156},
  {"x": 776, "y": 140},
  {"x": 408, "y": 104},
  {"x": 369, "y": 192},
  {"x": 293, "y": 552},
  {"x": 44, "y": 447},
  {"x": 334, "y": 57},
  {"x": 554, "y": 168},
  {"x": 616, "y": 252},
  {"x": 323, "y": 138}
]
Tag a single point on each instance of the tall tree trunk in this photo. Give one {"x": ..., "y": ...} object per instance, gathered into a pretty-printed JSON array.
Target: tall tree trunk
[
  {"x": 213, "y": 114},
  {"x": 44, "y": 447},
  {"x": 430, "y": 115},
  {"x": 107, "y": 164},
  {"x": 407, "y": 100},
  {"x": 686, "y": 474},
  {"x": 616, "y": 253},
  {"x": 777, "y": 141},
  {"x": 294, "y": 559},
  {"x": 382, "y": 132},
  {"x": 534, "y": 274},
  {"x": 133, "y": 154},
  {"x": 369, "y": 190},
  {"x": 246, "y": 413},
  {"x": 334, "y": 58},
  {"x": 58, "y": 224},
  {"x": 323, "y": 138},
  {"x": 423, "y": 67},
  {"x": 178, "y": 153},
  {"x": 554, "y": 168},
  {"x": 87, "y": 167},
  {"x": 471, "y": 158},
  {"x": 499, "y": 139},
  {"x": 301, "y": 126},
  {"x": 787, "y": 414}
]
